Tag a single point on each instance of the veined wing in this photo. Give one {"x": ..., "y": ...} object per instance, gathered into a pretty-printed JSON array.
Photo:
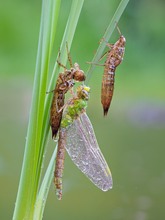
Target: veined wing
[{"x": 82, "y": 147}]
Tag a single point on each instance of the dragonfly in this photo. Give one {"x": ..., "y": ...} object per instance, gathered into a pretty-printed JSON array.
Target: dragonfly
[
  {"x": 77, "y": 137},
  {"x": 114, "y": 57},
  {"x": 64, "y": 83}
]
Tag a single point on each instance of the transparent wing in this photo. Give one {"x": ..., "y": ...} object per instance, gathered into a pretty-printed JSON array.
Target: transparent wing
[{"x": 82, "y": 147}]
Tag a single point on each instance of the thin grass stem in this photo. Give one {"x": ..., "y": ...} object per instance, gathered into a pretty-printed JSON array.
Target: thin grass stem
[{"x": 112, "y": 24}]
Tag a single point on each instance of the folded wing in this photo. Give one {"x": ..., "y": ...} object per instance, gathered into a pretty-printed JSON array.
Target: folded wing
[{"x": 82, "y": 147}]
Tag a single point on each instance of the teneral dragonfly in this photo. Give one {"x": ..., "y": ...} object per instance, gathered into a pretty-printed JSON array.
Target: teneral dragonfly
[{"x": 77, "y": 136}]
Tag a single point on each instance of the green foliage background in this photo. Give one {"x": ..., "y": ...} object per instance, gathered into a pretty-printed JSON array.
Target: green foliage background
[{"x": 131, "y": 137}]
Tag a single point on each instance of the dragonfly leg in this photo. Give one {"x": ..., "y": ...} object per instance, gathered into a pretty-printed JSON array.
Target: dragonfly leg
[
  {"x": 50, "y": 91},
  {"x": 68, "y": 102},
  {"x": 118, "y": 29},
  {"x": 61, "y": 109},
  {"x": 108, "y": 44},
  {"x": 97, "y": 64},
  {"x": 72, "y": 92},
  {"x": 103, "y": 55},
  {"x": 69, "y": 56},
  {"x": 58, "y": 60},
  {"x": 62, "y": 78},
  {"x": 99, "y": 59}
]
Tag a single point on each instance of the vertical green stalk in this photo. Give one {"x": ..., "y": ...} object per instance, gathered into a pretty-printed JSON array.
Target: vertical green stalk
[
  {"x": 38, "y": 127},
  {"x": 28, "y": 185},
  {"x": 75, "y": 11},
  {"x": 44, "y": 189}
]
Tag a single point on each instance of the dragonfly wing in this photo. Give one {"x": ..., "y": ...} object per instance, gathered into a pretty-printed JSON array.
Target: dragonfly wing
[{"x": 83, "y": 149}]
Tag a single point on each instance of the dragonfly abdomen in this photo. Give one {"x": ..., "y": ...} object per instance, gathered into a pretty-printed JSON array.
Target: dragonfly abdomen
[
  {"x": 107, "y": 86},
  {"x": 58, "y": 173}
]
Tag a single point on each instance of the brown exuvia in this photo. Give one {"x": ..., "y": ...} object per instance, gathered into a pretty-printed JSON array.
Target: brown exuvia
[
  {"x": 114, "y": 58},
  {"x": 64, "y": 83}
]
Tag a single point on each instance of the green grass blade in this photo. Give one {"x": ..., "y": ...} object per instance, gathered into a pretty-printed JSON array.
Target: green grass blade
[
  {"x": 68, "y": 36},
  {"x": 44, "y": 189},
  {"x": 75, "y": 11},
  {"x": 28, "y": 185},
  {"x": 71, "y": 25},
  {"x": 107, "y": 36},
  {"x": 51, "y": 27}
]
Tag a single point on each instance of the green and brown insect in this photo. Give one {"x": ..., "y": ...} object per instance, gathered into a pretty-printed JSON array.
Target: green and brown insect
[
  {"x": 114, "y": 58},
  {"x": 77, "y": 136},
  {"x": 64, "y": 83}
]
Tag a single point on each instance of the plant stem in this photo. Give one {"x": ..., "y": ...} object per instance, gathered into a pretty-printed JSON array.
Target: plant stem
[
  {"x": 107, "y": 35},
  {"x": 29, "y": 181}
]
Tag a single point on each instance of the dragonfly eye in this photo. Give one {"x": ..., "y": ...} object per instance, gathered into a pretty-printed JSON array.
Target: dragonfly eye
[
  {"x": 83, "y": 92},
  {"x": 85, "y": 95}
]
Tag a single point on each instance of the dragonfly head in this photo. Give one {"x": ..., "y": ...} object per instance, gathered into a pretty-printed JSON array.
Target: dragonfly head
[{"x": 83, "y": 92}]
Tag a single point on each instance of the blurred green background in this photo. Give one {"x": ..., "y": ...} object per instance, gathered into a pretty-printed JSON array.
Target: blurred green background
[{"x": 132, "y": 136}]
